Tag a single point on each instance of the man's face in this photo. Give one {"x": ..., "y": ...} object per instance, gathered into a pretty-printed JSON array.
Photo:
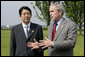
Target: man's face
[
  {"x": 25, "y": 16},
  {"x": 54, "y": 14}
]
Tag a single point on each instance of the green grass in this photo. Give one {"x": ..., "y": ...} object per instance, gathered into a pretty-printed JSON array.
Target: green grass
[
  {"x": 5, "y": 44},
  {"x": 79, "y": 47}
]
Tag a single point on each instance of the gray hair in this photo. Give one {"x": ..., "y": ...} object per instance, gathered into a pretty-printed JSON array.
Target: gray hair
[{"x": 58, "y": 6}]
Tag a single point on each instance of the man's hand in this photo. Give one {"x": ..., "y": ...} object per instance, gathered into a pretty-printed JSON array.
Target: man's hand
[
  {"x": 45, "y": 43},
  {"x": 33, "y": 45}
]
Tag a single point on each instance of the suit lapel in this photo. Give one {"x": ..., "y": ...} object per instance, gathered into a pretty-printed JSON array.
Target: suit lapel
[
  {"x": 59, "y": 29},
  {"x": 22, "y": 33},
  {"x": 31, "y": 31},
  {"x": 50, "y": 30}
]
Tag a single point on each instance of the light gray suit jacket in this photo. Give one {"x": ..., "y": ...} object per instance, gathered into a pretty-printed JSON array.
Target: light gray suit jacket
[{"x": 64, "y": 40}]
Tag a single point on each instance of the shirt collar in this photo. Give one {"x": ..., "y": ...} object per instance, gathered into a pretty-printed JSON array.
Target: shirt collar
[
  {"x": 60, "y": 21},
  {"x": 26, "y": 25}
]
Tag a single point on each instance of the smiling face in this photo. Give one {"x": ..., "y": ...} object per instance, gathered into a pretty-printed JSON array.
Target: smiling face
[
  {"x": 25, "y": 16},
  {"x": 54, "y": 13}
]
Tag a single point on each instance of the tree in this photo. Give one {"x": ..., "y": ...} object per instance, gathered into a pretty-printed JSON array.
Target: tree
[
  {"x": 43, "y": 6},
  {"x": 75, "y": 11}
]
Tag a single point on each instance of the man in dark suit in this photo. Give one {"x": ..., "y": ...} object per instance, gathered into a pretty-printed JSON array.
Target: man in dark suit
[
  {"x": 24, "y": 33},
  {"x": 62, "y": 33}
]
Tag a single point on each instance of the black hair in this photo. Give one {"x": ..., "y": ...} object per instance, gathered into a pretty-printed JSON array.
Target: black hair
[{"x": 24, "y": 7}]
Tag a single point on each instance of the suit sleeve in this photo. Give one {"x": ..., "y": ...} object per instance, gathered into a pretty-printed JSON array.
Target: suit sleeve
[
  {"x": 69, "y": 42},
  {"x": 12, "y": 43},
  {"x": 40, "y": 37},
  {"x": 40, "y": 33}
]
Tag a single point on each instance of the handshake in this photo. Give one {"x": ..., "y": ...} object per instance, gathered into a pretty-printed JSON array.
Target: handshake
[{"x": 44, "y": 43}]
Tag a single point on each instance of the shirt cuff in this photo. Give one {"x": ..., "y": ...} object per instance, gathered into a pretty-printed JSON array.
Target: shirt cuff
[{"x": 52, "y": 44}]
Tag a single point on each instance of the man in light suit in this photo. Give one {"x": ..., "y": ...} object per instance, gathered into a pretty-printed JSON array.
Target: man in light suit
[
  {"x": 24, "y": 33},
  {"x": 62, "y": 33}
]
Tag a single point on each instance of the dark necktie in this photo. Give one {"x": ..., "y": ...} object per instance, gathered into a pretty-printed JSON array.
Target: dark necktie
[{"x": 54, "y": 30}]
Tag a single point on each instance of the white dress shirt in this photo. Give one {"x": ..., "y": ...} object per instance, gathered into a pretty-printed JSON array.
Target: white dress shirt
[
  {"x": 24, "y": 27},
  {"x": 59, "y": 23}
]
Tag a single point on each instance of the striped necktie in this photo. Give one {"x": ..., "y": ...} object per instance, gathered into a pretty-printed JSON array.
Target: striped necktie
[{"x": 27, "y": 31}]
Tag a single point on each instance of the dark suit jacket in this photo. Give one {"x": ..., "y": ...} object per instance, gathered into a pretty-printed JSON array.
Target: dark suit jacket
[
  {"x": 18, "y": 41},
  {"x": 64, "y": 40}
]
